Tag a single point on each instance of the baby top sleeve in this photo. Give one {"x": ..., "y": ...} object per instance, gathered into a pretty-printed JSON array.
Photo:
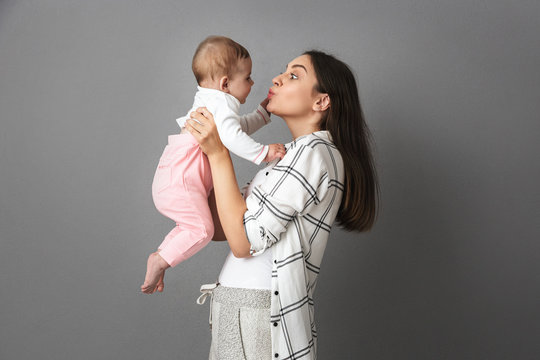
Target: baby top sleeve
[
  {"x": 254, "y": 121},
  {"x": 225, "y": 111}
]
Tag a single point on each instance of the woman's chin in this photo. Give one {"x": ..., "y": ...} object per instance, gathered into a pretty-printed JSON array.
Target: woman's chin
[{"x": 272, "y": 109}]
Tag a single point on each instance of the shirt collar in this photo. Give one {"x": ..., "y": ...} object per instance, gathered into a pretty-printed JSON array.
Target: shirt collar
[
  {"x": 203, "y": 91},
  {"x": 325, "y": 134}
]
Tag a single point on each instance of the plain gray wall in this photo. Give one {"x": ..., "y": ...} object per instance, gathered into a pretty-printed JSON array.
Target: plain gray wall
[{"x": 89, "y": 91}]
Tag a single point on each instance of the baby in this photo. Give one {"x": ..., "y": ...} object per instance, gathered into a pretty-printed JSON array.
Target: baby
[{"x": 183, "y": 180}]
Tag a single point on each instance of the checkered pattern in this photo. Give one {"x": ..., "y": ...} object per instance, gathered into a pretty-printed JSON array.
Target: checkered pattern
[{"x": 292, "y": 213}]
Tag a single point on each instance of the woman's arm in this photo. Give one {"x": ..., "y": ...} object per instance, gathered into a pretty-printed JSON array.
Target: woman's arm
[
  {"x": 230, "y": 203},
  {"x": 219, "y": 235}
]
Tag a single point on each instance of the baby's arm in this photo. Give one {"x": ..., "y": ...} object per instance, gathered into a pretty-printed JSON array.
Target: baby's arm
[
  {"x": 234, "y": 138},
  {"x": 257, "y": 119}
]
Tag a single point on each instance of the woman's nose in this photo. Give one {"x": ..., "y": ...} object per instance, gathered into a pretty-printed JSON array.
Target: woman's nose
[{"x": 277, "y": 80}]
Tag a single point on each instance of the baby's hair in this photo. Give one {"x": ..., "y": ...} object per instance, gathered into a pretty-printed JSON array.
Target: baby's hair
[{"x": 217, "y": 56}]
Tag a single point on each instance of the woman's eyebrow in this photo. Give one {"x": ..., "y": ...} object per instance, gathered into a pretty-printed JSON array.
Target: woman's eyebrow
[{"x": 298, "y": 65}]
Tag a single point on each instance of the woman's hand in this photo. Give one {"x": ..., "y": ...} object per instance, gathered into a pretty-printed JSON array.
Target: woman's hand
[{"x": 205, "y": 132}]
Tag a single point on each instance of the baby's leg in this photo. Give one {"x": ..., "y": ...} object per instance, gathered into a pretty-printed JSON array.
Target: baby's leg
[
  {"x": 195, "y": 230},
  {"x": 180, "y": 191}
]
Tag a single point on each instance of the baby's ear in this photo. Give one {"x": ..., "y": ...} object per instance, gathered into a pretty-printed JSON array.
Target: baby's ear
[{"x": 224, "y": 84}]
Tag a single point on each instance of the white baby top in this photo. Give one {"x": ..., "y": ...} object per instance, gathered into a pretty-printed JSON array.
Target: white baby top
[
  {"x": 233, "y": 129},
  {"x": 254, "y": 272}
]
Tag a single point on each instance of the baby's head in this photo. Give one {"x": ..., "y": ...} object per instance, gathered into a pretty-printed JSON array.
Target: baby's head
[{"x": 222, "y": 64}]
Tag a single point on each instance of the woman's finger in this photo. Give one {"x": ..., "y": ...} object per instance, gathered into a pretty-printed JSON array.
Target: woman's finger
[
  {"x": 198, "y": 118},
  {"x": 203, "y": 110},
  {"x": 196, "y": 126},
  {"x": 205, "y": 116},
  {"x": 189, "y": 127},
  {"x": 196, "y": 130}
]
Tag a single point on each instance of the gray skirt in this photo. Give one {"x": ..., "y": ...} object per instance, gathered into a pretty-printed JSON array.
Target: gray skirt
[{"x": 239, "y": 322}]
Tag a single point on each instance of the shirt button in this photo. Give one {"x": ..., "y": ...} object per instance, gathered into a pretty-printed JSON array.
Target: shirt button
[
  {"x": 276, "y": 355},
  {"x": 276, "y": 292},
  {"x": 275, "y": 261},
  {"x": 275, "y": 324},
  {"x": 267, "y": 173}
]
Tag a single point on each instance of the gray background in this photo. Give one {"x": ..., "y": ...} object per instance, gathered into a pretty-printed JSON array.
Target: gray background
[{"x": 89, "y": 91}]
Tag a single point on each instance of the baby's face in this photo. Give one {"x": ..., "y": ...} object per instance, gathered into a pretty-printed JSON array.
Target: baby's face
[{"x": 240, "y": 83}]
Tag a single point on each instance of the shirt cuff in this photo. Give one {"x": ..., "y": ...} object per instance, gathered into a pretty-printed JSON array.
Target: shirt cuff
[
  {"x": 255, "y": 248},
  {"x": 262, "y": 232}
]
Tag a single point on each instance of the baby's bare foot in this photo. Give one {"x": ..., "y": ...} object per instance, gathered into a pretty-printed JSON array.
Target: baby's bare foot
[{"x": 155, "y": 270}]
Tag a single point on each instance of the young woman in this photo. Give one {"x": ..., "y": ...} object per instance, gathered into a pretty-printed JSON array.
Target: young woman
[{"x": 277, "y": 230}]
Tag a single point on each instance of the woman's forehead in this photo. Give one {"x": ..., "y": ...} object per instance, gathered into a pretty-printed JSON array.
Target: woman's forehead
[{"x": 303, "y": 60}]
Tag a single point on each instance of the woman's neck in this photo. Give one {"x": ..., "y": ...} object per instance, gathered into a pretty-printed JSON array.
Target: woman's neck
[{"x": 301, "y": 127}]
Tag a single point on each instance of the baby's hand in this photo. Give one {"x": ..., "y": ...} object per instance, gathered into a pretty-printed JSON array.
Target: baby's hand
[
  {"x": 275, "y": 151},
  {"x": 264, "y": 103}
]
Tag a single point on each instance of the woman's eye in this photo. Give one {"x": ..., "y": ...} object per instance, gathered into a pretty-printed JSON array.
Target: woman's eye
[{"x": 293, "y": 76}]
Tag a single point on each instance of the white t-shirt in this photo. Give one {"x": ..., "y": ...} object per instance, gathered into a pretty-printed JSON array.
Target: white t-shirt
[{"x": 254, "y": 272}]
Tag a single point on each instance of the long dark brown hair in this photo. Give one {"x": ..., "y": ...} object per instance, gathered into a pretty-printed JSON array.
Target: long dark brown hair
[{"x": 345, "y": 121}]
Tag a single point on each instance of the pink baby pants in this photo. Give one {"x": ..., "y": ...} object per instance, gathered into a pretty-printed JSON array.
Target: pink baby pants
[{"x": 181, "y": 186}]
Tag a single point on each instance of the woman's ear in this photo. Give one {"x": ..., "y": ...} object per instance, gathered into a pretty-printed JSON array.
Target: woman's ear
[
  {"x": 322, "y": 103},
  {"x": 224, "y": 84}
]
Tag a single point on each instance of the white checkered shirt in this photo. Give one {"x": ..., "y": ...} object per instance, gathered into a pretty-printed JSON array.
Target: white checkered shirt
[{"x": 292, "y": 213}]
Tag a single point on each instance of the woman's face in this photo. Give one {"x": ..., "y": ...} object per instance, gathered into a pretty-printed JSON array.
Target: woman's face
[{"x": 293, "y": 93}]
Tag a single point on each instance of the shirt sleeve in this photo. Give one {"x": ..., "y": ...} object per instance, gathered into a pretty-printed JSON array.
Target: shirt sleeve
[
  {"x": 254, "y": 121},
  {"x": 294, "y": 185},
  {"x": 233, "y": 137}
]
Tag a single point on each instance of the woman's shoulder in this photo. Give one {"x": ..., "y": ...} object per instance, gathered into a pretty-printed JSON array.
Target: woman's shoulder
[
  {"x": 320, "y": 145},
  {"x": 313, "y": 140}
]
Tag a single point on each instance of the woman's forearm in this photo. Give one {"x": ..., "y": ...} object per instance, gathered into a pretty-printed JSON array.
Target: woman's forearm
[
  {"x": 219, "y": 235},
  {"x": 231, "y": 205}
]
